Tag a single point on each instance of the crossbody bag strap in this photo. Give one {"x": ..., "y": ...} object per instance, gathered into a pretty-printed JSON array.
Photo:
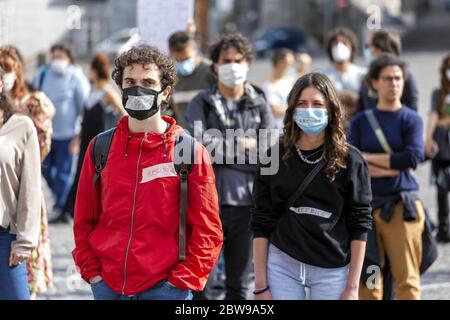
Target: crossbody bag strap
[
  {"x": 378, "y": 132},
  {"x": 309, "y": 178}
]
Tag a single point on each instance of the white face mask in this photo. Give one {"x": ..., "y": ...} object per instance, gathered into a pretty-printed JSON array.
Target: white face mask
[
  {"x": 8, "y": 81},
  {"x": 341, "y": 53},
  {"x": 59, "y": 65},
  {"x": 233, "y": 74}
]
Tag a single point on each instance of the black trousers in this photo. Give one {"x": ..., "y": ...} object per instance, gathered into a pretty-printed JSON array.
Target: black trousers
[
  {"x": 442, "y": 197},
  {"x": 237, "y": 251}
]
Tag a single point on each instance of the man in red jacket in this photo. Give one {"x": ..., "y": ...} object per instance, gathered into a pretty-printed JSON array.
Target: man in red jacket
[{"x": 131, "y": 250}]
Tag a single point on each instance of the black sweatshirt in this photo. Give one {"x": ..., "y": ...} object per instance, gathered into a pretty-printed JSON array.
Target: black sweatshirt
[{"x": 318, "y": 228}]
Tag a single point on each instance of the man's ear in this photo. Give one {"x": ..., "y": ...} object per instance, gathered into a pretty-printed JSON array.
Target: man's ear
[
  {"x": 166, "y": 92},
  {"x": 374, "y": 83}
]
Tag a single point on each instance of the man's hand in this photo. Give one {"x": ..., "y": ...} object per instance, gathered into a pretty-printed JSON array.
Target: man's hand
[
  {"x": 430, "y": 147},
  {"x": 74, "y": 146},
  {"x": 17, "y": 258},
  {"x": 377, "y": 172},
  {"x": 444, "y": 122},
  {"x": 95, "y": 279}
]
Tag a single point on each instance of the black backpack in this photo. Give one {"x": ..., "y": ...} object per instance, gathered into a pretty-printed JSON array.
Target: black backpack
[{"x": 183, "y": 166}]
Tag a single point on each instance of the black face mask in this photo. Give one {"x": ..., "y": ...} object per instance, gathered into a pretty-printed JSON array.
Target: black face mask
[{"x": 139, "y": 102}]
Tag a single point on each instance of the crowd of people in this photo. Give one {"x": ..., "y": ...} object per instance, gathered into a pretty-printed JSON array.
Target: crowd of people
[{"x": 149, "y": 225}]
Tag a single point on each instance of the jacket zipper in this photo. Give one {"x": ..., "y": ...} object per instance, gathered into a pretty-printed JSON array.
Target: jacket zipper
[
  {"x": 126, "y": 148},
  {"x": 132, "y": 215},
  {"x": 164, "y": 145}
]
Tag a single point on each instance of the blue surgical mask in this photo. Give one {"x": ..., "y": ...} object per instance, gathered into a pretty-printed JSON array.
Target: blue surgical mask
[
  {"x": 311, "y": 121},
  {"x": 186, "y": 67},
  {"x": 368, "y": 55}
]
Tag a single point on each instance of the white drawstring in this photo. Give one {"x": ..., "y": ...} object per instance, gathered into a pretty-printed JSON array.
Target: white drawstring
[{"x": 302, "y": 273}]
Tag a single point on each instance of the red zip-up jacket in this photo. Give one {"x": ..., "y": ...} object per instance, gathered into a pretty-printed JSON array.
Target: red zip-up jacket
[{"x": 134, "y": 243}]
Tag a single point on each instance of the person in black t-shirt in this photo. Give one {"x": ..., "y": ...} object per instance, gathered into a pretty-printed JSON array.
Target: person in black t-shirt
[
  {"x": 438, "y": 126},
  {"x": 316, "y": 241}
]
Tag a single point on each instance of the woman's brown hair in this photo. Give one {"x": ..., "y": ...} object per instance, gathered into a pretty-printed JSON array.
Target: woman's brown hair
[
  {"x": 336, "y": 150},
  {"x": 10, "y": 62},
  {"x": 7, "y": 106},
  {"x": 445, "y": 82},
  {"x": 100, "y": 65}
]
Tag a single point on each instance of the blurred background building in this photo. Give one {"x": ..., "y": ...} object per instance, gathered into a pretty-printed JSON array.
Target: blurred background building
[{"x": 105, "y": 25}]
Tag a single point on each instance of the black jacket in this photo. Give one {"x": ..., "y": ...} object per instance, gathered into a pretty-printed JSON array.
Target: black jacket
[
  {"x": 252, "y": 113},
  {"x": 318, "y": 228}
]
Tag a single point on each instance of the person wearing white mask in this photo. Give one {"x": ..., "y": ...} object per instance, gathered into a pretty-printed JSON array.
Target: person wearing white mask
[
  {"x": 8, "y": 81},
  {"x": 343, "y": 73},
  {"x": 68, "y": 88},
  {"x": 233, "y": 104}
]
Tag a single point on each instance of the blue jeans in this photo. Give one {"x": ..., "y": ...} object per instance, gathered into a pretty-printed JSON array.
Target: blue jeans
[
  {"x": 13, "y": 281},
  {"x": 288, "y": 278},
  {"x": 57, "y": 169},
  {"x": 161, "y": 291}
]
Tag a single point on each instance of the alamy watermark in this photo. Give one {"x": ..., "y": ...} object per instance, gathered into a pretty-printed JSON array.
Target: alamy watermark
[
  {"x": 236, "y": 147},
  {"x": 73, "y": 20},
  {"x": 374, "y": 13}
]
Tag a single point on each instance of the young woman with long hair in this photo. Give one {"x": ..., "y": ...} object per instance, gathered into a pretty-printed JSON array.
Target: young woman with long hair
[{"x": 314, "y": 240}]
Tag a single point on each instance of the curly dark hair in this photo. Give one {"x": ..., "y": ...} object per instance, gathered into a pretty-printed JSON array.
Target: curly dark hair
[
  {"x": 144, "y": 54},
  {"x": 336, "y": 149},
  {"x": 237, "y": 41},
  {"x": 347, "y": 34}
]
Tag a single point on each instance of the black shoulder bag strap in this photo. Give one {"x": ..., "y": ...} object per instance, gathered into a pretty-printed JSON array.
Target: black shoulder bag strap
[
  {"x": 305, "y": 183},
  {"x": 100, "y": 151},
  {"x": 183, "y": 164}
]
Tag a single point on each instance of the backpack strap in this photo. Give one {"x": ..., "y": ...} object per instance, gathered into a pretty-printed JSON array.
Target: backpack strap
[
  {"x": 42, "y": 77},
  {"x": 100, "y": 151},
  {"x": 184, "y": 158}
]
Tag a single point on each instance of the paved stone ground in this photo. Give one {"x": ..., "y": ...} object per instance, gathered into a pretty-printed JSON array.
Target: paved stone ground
[{"x": 435, "y": 283}]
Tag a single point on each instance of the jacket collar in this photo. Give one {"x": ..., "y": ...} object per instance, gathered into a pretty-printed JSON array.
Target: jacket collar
[{"x": 153, "y": 140}]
